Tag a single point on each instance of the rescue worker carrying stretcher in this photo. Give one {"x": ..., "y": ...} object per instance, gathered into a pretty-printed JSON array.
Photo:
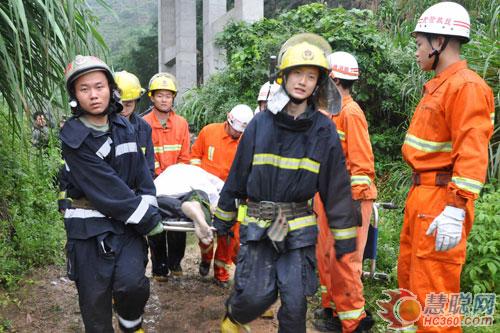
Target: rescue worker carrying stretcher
[
  {"x": 447, "y": 148},
  {"x": 285, "y": 156},
  {"x": 113, "y": 201},
  {"x": 214, "y": 151}
]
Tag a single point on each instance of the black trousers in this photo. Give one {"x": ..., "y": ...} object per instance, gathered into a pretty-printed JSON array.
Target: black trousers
[
  {"x": 262, "y": 274},
  {"x": 105, "y": 268}
]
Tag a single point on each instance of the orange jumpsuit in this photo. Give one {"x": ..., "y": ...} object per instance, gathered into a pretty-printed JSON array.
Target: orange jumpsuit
[
  {"x": 447, "y": 147},
  {"x": 171, "y": 146},
  {"x": 171, "y": 143},
  {"x": 214, "y": 152},
  {"x": 341, "y": 279}
]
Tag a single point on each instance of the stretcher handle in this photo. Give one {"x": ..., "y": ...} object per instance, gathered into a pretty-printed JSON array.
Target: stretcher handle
[{"x": 387, "y": 205}]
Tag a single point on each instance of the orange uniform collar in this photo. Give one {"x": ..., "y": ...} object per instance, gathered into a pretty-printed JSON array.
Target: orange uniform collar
[{"x": 438, "y": 80}]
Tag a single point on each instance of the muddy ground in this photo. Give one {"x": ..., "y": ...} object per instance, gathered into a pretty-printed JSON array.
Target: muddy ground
[{"x": 47, "y": 302}]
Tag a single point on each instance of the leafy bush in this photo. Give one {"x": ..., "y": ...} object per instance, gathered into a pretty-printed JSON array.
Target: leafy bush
[
  {"x": 480, "y": 272},
  {"x": 31, "y": 229}
]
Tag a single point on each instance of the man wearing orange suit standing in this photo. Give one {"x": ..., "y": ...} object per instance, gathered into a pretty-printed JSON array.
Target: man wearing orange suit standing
[
  {"x": 447, "y": 148},
  {"x": 214, "y": 151},
  {"x": 170, "y": 133},
  {"x": 341, "y": 279}
]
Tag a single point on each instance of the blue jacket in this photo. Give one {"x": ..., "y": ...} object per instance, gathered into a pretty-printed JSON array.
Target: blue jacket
[
  {"x": 145, "y": 140},
  {"x": 280, "y": 159},
  {"x": 110, "y": 171}
]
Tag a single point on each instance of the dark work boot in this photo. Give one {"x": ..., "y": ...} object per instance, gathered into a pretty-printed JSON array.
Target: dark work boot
[{"x": 365, "y": 324}]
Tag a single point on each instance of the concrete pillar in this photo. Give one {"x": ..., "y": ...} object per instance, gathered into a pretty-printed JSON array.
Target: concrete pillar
[
  {"x": 177, "y": 41},
  {"x": 249, "y": 10},
  {"x": 212, "y": 11}
]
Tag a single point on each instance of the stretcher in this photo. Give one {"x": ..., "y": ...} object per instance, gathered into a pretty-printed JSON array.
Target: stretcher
[
  {"x": 183, "y": 225},
  {"x": 372, "y": 242}
]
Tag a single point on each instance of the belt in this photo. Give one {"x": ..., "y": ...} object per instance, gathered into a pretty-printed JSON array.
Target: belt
[
  {"x": 433, "y": 178},
  {"x": 81, "y": 203},
  {"x": 268, "y": 210}
]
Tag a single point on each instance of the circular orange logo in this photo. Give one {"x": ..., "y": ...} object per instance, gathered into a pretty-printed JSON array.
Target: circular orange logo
[{"x": 408, "y": 309}]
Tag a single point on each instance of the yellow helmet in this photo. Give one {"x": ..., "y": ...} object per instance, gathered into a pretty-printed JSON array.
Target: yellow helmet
[
  {"x": 304, "y": 49},
  {"x": 162, "y": 81},
  {"x": 129, "y": 85}
]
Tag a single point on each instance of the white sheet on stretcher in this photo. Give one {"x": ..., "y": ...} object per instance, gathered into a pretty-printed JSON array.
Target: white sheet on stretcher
[{"x": 179, "y": 179}]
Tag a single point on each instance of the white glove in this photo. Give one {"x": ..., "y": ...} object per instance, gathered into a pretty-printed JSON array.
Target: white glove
[{"x": 449, "y": 228}]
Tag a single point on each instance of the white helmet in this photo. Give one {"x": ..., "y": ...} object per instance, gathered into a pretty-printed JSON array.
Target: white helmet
[
  {"x": 445, "y": 18},
  {"x": 239, "y": 117},
  {"x": 343, "y": 66},
  {"x": 267, "y": 91}
]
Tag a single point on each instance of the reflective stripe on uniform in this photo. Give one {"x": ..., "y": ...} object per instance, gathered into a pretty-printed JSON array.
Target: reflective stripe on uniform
[
  {"x": 166, "y": 148},
  {"x": 224, "y": 216},
  {"x": 351, "y": 315},
  {"x": 348, "y": 233},
  {"x": 286, "y": 162},
  {"x": 211, "y": 150},
  {"x": 468, "y": 184},
  {"x": 143, "y": 150},
  {"x": 301, "y": 222},
  {"x": 150, "y": 199},
  {"x": 66, "y": 166},
  {"x": 129, "y": 323},
  {"x": 195, "y": 161},
  {"x": 341, "y": 135},
  {"x": 105, "y": 149},
  {"x": 427, "y": 146},
  {"x": 157, "y": 164},
  {"x": 323, "y": 289},
  {"x": 124, "y": 148},
  {"x": 492, "y": 117},
  {"x": 139, "y": 212},
  {"x": 410, "y": 328},
  {"x": 360, "y": 180},
  {"x": 221, "y": 264},
  {"x": 80, "y": 213}
]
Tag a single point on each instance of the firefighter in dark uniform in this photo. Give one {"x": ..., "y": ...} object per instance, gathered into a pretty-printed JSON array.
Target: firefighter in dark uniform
[
  {"x": 113, "y": 201},
  {"x": 284, "y": 158},
  {"x": 130, "y": 93}
]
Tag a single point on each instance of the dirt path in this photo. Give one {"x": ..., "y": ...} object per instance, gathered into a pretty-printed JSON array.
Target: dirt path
[{"x": 47, "y": 302}]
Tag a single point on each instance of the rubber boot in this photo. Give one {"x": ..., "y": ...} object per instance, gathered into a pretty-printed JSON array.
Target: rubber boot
[{"x": 229, "y": 326}]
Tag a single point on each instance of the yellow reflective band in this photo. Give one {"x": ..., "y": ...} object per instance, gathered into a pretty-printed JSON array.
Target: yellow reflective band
[
  {"x": 211, "y": 150},
  {"x": 427, "y": 146},
  {"x": 348, "y": 233},
  {"x": 301, "y": 222},
  {"x": 468, "y": 184},
  {"x": 166, "y": 148},
  {"x": 260, "y": 223},
  {"x": 224, "y": 216},
  {"x": 242, "y": 212},
  {"x": 286, "y": 162},
  {"x": 221, "y": 264},
  {"x": 157, "y": 164},
  {"x": 143, "y": 150},
  {"x": 341, "y": 135},
  {"x": 411, "y": 328},
  {"x": 62, "y": 195},
  {"x": 195, "y": 161},
  {"x": 360, "y": 180},
  {"x": 350, "y": 315},
  {"x": 323, "y": 289},
  {"x": 492, "y": 117}
]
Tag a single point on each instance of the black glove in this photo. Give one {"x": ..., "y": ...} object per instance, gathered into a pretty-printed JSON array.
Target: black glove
[{"x": 223, "y": 227}]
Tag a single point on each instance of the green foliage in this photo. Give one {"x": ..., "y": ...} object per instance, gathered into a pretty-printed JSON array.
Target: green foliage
[
  {"x": 37, "y": 40},
  {"x": 483, "y": 264},
  {"x": 31, "y": 229}
]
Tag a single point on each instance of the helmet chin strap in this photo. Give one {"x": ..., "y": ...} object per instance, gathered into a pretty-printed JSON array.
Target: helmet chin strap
[{"x": 435, "y": 53}]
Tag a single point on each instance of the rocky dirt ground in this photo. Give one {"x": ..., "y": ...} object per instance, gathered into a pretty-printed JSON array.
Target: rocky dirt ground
[{"x": 47, "y": 302}]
